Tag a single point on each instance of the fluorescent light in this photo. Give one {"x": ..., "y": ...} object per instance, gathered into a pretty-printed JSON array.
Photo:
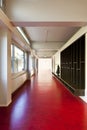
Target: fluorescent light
[{"x": 23, "y": 34}]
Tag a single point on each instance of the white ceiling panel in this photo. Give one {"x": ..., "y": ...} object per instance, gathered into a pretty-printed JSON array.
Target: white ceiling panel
[
  {"x": 40, "y": 46},
  {"x": 46, "y": 34},
  {"x": 49, "y": 39}
]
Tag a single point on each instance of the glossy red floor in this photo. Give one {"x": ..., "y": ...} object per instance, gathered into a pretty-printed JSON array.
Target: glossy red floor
[{"x": 44, "y": 104}]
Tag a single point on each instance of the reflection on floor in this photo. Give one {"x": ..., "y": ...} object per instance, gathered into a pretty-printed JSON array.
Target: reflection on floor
[{"x": 44, "y": 104}]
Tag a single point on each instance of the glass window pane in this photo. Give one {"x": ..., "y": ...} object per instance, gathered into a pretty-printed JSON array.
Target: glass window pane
[{"x": 17, "y": 59}]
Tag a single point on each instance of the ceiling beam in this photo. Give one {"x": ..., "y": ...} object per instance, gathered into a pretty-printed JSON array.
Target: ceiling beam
[{"x": 48, "y": 24}]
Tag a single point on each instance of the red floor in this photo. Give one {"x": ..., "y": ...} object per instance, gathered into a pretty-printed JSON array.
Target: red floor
[{"x": 44, "y": 104}]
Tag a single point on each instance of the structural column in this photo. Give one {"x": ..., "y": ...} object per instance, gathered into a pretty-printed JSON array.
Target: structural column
[{"x": 5, "y": 67}]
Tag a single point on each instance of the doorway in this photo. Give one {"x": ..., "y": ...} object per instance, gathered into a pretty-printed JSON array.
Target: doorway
[{"x": 44, "y": 64}]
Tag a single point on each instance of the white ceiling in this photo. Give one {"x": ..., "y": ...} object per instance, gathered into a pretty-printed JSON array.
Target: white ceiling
[
  {"x": 48, "y": 24},
  {"x": 47, "y": 40},
  {"x": 50, "y": 34}
]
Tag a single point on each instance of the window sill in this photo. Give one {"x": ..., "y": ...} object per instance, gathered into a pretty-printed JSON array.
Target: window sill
[{"x": 15, "y": 75}]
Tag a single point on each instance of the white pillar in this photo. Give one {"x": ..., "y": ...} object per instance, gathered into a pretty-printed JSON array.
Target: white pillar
[{"x": 5, "y": 67}]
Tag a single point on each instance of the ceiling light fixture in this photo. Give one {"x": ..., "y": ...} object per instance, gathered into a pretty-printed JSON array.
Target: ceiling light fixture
[{"x": 23, "y": 34}]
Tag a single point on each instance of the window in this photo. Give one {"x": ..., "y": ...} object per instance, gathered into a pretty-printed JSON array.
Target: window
[{"x": 18, "y": 59}]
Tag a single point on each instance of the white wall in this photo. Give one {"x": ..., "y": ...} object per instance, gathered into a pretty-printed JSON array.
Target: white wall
[
  {"x": 56, "y": 60},
  {"x": 18, "y": 80},
  {"x": 8, "y": 82},
  {"x": 44, "y": 64},
  {"x": 5, "y": 67}
]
